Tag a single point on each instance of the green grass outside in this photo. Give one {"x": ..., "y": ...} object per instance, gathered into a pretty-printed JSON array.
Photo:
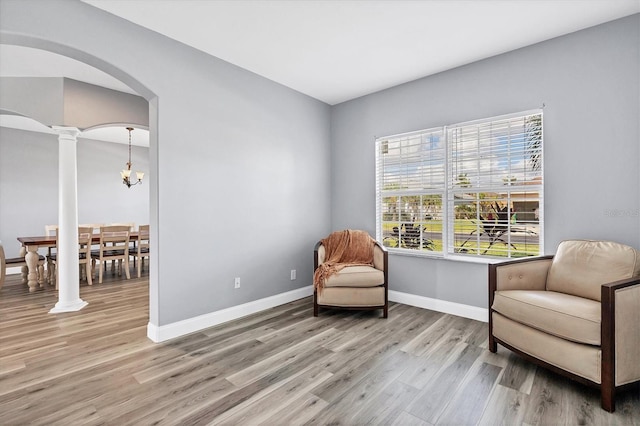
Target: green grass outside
[
  {"x": 498, "y": 249},
  {"x": 463, "y": 226}
]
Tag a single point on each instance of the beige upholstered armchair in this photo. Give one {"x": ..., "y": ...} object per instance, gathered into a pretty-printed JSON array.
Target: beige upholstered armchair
[
  {"x": 355, "y": 286},
  {"x": 576, "y": 313}
]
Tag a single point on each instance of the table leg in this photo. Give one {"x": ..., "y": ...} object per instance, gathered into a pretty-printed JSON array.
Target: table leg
[
  {"x": 32, "y": 263},
  {"x": 24, "y": 270}
]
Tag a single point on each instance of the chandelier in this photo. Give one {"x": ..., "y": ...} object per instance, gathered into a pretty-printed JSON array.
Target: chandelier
[{"x": 126, "y": 174}]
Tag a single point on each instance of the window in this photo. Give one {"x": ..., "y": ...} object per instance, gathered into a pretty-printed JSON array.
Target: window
[{"x": 473, "y": 189}]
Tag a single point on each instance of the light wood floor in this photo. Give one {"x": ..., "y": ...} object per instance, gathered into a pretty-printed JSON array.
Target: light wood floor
[{"x": 279, "y": 367}]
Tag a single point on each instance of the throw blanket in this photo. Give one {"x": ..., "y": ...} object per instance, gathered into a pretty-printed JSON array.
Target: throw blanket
[{"x": 342, "y": 249}]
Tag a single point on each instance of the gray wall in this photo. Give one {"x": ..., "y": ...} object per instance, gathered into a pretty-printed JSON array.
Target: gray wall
[
  {"x": 69, "y": 103},
  {"x": 16, "y": 98},
  {"x": 239, "y": 165},
  {"x": 245, "y": 174},
  {"x": 29, "y": 184},
  {"x": 589, "y": 82}
]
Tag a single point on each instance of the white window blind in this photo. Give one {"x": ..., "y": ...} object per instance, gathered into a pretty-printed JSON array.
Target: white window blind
[
  {"x": 468, "y": 189},
  {"x": 411, "y": 182}
]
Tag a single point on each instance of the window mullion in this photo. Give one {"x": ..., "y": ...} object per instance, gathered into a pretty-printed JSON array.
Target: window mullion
[{"x": 445, "y": 196}]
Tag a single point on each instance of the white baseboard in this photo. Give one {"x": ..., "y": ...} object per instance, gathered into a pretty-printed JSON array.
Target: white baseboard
[
  {"x": 14, "y": 270},
  {"x": 466, "y": 311},
  {"x": 176, "y": 329},
  {"x": 191, "y": 325}
]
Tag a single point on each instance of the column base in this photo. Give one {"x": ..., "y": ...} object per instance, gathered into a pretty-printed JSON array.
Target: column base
[{"x": 68, "y": 306}]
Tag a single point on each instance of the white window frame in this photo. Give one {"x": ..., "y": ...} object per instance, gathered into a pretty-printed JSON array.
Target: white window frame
[{"x": 449, "y": 192}]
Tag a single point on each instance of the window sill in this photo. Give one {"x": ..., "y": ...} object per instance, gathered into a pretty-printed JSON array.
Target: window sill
[{"x": 452, "y": 257}]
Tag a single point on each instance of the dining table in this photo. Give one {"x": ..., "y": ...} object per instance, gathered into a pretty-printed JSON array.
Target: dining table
[{"x": 31, "y": 246}]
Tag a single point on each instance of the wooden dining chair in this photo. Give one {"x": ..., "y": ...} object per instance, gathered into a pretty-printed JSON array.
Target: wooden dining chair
[
  {"x": 132, "y": 227},
  {"x": 95, "y": 227},
  {"x": 114, "y": 245},
  {"x": 142, "y": 248},
  {"x": 84, "y": 256},
  {"x": 50, "y": 231},
  {"x": 85, "y": 235},
  {"x": 13, "y": 262}
]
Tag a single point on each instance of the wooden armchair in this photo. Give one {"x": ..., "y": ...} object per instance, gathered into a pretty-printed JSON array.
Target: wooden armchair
[
  {"x": 576, "y": 313},
  {"x": 354, "y": 287}
]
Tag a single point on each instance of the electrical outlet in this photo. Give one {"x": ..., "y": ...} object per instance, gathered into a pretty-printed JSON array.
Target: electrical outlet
[
  {"x": 293, "y": 274},
  {"x": 237, "y": 282}
]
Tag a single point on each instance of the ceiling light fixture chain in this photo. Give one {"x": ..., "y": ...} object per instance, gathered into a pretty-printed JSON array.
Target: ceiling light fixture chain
[{"x": 126, "y": 174}]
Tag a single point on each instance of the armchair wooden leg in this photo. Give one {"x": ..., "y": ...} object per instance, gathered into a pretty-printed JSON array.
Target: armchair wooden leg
[
  {"x": 608, "y": 396},
  {"x": 385, "y": 311},
  {"x": 493, "y": 346},
  {"x": 315, "y": 302}
]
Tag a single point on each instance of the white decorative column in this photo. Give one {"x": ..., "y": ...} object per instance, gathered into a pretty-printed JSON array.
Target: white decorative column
[{"x": 67, "y": 255}]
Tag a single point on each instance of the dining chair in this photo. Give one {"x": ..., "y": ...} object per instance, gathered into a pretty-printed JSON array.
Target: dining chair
[
  {"x": 17, "y": 262},
  {"x": 132, "y": 227},
  {"x": 95, "y": 227},
  {"x": 50, "y": 231},
  {"x": 84, "y": 255},
  {"x": 142, "y": 249},
  {"x": 114, "y": 245},
  {"x": 85, "y": 235}
]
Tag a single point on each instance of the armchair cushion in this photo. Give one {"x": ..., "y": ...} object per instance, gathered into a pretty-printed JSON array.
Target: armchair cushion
[
  {"x": 581, "y": 267},
  {"x": 356, "y": 276},
  {"x": 579, "y": 359},
  {"x": 563, "y": 315},
  {"x": 529, "y": 275}
]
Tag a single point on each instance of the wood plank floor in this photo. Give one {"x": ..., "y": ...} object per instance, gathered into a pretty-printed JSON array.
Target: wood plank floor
[{"x": 279, "y": 367}]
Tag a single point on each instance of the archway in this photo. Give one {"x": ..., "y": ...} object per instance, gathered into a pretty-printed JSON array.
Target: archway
[{"x": 26, "y": 41}]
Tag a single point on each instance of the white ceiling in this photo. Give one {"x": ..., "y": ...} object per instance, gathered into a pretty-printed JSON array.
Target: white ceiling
[
  {"x": 334, "y": 50},
  {"x": 339, "y": 50}
]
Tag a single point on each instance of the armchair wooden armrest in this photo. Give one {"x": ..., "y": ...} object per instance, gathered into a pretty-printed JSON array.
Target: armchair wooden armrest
[{"x": 620, "y": 337}]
